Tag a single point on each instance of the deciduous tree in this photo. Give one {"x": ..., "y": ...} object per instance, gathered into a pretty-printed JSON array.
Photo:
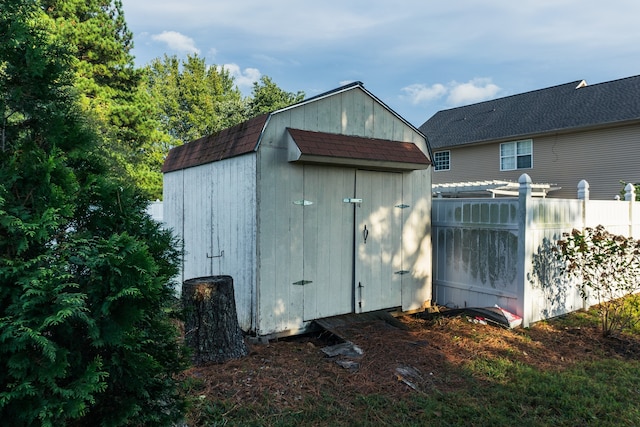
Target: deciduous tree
[{"x": 192, "y": 98}]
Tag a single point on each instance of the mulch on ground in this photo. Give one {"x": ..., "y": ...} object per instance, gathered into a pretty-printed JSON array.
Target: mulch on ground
[{"x": 423, "y": 356}]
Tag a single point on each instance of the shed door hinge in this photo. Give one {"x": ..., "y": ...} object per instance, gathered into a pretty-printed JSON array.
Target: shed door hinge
[
  {"x": 403, "y": 206},
  {"x": 401, "y": 272},
  {"x": 302, "y": 282}
]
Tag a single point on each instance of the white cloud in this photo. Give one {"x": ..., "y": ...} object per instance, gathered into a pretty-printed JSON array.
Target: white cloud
[
  {"x": 311, "y": 45},
  {"x": 419, "y": 93},
  {"x": 244, "y": 79},
  {"x": 475, "y": 90},
  {"x": 211, "y": 53},
  {"x": 177, "y": 41}
]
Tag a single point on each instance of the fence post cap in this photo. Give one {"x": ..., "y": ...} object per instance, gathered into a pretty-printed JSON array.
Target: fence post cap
[
  {"x": 583, "y": 184},
  {"x": 629, "y": 192},
  {"x": 524, "y": 179}
]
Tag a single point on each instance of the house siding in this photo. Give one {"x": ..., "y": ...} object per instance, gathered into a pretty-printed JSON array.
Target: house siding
[{"x": 602, "y": 157}]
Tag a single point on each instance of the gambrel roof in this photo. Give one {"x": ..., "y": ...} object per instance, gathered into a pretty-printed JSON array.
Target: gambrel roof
[
  {"x": 234, "y": 141},
  {"x": 558, "y": 109}
]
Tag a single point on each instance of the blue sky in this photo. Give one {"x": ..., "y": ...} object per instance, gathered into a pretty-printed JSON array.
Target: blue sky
[{"x": 417, "y": 56}]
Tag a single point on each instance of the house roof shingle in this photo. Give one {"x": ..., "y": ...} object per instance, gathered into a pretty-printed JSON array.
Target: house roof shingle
[
  {"x": 234, "y": 141},
  {"x": 569, "y": 106}
]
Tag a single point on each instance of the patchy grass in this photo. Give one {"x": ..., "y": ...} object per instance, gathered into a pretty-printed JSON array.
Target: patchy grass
[{"x": 440, "y": 372}]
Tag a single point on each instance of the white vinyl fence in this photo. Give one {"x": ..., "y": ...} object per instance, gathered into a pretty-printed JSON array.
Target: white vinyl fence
[{"x": 500, "y": 251}]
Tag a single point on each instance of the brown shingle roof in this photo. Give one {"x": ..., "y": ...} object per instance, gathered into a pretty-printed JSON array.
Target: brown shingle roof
[
  {"x": 320, "y": 144},
  {"x": 234, "y": 141}
]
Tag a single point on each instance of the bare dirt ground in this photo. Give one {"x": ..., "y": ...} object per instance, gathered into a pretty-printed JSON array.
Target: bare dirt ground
[{"x": 424, "y": 355}]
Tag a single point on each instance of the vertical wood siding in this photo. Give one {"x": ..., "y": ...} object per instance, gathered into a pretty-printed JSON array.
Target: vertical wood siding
[
  {"x": 282, "y": 247},
  {"x": 280, "y": 243},
  {"x": 416, "y": 240},
  {"x": 328, "y": 242},
  {"x": 173, "y": 211},
  {"x": 378, "y": 258},
  {"x": 212, "y": 208},
  {"x": 245, "y": 217}
]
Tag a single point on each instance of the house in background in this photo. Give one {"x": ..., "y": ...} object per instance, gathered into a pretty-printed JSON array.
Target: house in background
[
  {"x": 318, "y": 209},
  {"x": 558, "y": 136}
]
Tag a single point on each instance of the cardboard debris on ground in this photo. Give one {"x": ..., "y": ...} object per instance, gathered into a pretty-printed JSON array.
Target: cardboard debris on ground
[
  {"x": 350, "y": 365},
  {"x": 482, "y": 315},
  {"x": 343, "y": 353},
  {"x": 347, "y": 349},
  {"x": 410, "y": 376}
]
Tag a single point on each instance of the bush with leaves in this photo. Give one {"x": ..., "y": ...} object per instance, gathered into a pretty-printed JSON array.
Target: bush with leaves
[
  {"x": 608, "y": 269},
  {"x": 86, "y": 303}
]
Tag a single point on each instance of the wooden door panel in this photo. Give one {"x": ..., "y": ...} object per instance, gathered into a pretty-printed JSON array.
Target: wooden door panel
[
  {"x": 378, "y": 238},
  {"x": 328, "y": 242}
]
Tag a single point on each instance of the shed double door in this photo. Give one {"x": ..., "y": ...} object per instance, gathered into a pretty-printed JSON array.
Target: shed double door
[{"x": 352, "y": 237}]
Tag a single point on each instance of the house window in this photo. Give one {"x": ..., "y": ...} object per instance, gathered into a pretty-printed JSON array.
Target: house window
[
  {"x": 516, "y": 155},
  {"x": 441, "y": 160}
]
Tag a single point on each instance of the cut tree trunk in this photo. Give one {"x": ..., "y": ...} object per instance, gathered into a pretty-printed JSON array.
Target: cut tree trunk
[{"x": 211, "y": 322}]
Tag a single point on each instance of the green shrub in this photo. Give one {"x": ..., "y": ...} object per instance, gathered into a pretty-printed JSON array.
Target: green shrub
[
  {"x": 86, "y": 336},
  {"x": 608, "y": 268}
]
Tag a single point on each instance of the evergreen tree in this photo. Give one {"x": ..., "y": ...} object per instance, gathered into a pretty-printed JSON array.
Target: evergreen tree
[
  {"x": 268, "y": 97},
  {"x": 110, "y": 86},
  {"x": 85, "y": 296}
]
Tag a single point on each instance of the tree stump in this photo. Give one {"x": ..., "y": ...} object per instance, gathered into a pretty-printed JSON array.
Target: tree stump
[{"x": 211, "y": 321}]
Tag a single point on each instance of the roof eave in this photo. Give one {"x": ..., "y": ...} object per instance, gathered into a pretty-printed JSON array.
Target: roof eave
[{"x": 365, "y": 163}]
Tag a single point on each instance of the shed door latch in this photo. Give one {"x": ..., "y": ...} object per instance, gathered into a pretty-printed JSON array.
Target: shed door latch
[{"x": 351, "y": 200}]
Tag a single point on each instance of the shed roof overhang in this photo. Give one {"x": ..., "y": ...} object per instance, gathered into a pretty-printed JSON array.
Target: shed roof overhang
[{"x": 344, "y": 150}]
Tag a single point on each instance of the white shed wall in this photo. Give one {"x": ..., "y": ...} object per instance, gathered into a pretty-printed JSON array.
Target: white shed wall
[
  {"x": 280, "y": 235},
  {"x": 212, "y": 209}
]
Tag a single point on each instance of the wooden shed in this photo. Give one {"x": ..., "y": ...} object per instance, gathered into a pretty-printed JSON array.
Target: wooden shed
[{"x": 318, "y": 209}]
